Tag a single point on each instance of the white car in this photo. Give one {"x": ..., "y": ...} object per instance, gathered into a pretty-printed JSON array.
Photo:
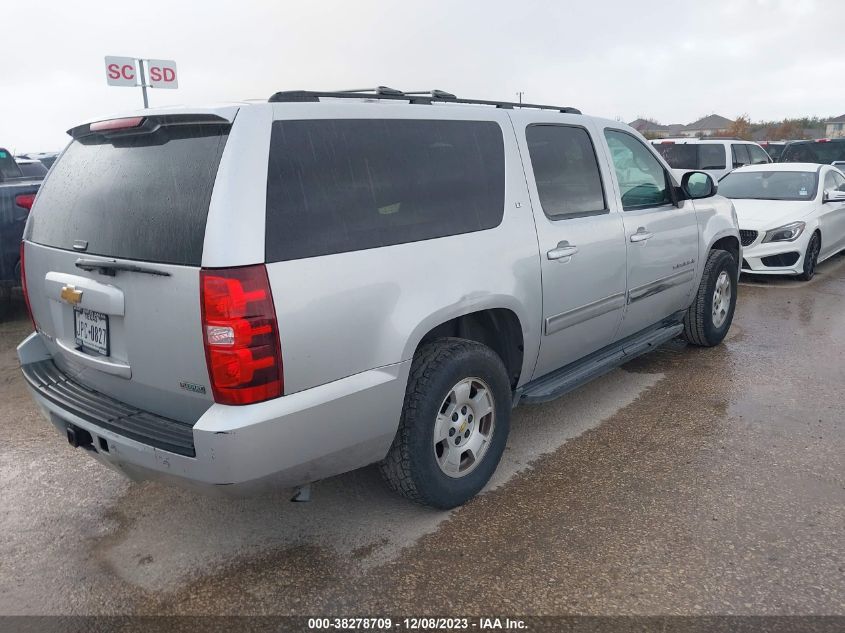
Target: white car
[
  {"x": 717, "y": 156},
  {"x": 791, "y": 216}
]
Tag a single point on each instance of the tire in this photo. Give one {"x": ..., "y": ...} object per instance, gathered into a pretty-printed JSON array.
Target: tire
[
  {"x": 811, "y": 257},
  {"x": 704, "y": 325},
  {"x": 440, "y": 373}
]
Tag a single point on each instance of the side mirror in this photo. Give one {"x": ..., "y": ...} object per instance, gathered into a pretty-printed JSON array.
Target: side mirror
[
  {"x": 697, "y": 185},
  {"x": 833, "y": 195}
]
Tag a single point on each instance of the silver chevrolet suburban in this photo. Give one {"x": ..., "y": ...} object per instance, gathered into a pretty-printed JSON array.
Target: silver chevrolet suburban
[{"x": 266, "y": 294}]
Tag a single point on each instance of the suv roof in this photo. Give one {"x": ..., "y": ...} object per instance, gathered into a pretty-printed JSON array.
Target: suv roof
[
  {"x": 414, "y": 97},
  {"x": 685, "y": 139}
]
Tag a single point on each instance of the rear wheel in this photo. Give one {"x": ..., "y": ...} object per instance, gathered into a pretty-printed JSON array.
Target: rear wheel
[
  {"x": 709, "y": 317},
  {"x": 811, "y": 258},
  {"x": 454, "y": 424}
]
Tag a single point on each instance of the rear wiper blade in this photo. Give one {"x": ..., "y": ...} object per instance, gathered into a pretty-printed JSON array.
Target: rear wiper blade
[{"x": 110, "y": 267}]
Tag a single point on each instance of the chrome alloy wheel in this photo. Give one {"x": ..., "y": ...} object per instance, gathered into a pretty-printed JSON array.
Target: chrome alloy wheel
[
  {"x": 464, "y": 427},
  {"x": 722, "y": 299}
]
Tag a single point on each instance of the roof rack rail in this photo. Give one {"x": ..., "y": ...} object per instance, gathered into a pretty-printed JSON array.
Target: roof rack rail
[{"x": 416, "y": 97}]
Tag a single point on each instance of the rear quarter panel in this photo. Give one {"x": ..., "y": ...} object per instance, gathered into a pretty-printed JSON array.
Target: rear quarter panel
[{"x": 349, "y": 312}]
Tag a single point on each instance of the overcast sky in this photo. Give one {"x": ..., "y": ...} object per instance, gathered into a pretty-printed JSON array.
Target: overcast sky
[{"x": 674, "y": 60}]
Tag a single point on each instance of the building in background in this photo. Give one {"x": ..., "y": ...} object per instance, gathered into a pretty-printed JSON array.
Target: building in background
[
  {"x": 652, "y": 129},
  {"x": 835, "y": 128},
  {"x": 712, "y": 125}
]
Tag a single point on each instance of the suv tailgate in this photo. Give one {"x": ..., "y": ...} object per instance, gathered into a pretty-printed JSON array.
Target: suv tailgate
[{"x": 113, "y": 249}]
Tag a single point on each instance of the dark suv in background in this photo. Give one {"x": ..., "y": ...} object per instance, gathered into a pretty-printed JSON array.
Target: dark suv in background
[{"x": 825, "y": 151}]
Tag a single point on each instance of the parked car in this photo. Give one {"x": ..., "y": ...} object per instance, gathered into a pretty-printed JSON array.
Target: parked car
[
  {"x": 824, "y": 151},
  {"x": 17, "y": 193},
  {"x": 773, "y": 148},
  {"x": 716, "y": 157},
  {"x": 293, "y": 289},
  {"x": 791, "y": 216},
  {"x": 46, "y": 158},
  {"x": 31, "y": 168}
]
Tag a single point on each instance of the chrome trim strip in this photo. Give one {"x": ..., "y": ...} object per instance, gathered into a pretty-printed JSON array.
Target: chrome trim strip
[
  {"x": 654, "y": 287},
  {"x": 575, "y": 316}
]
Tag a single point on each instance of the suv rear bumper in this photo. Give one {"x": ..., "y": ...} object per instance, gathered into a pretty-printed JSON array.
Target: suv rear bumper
[{"x": 281, "y": 443}]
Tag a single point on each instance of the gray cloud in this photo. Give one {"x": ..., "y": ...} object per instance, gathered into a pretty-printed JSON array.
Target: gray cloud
[{"x": 674, "y": 61}]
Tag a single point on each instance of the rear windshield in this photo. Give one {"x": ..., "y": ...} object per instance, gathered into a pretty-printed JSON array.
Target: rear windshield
[
  {"x": 814, "y": 152},
  {"x": 142, "y": 196},
  {"x": 692, "y": 155},
  {"x": 774, "y": 151},
  {"x": 769, "y": 185},
  {"x": 342, "y": 185},
  {"x": 35, "y": 169}
]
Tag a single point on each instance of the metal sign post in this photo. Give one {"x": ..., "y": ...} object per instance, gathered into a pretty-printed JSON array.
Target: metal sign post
[
  {"x": 143, "y": 83},
  {"x": 133, "y": 72}
]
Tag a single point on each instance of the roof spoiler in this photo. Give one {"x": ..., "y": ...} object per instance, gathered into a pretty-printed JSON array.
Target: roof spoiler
[{"x": 143, "y": 124}]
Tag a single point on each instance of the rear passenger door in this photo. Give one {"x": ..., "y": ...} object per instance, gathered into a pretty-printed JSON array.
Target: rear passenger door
[
  {"x": 581, "y": 238},
  {"x": 661, "y": 238}
]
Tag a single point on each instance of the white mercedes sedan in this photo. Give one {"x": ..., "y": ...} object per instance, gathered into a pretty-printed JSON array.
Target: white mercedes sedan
[{"x": 791, "y": 216}]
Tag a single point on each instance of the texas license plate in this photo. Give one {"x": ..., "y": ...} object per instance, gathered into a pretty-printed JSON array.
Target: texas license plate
[{"x": 91, "y": 330}]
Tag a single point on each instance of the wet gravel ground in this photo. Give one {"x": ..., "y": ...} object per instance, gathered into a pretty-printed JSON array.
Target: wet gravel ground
[{"x": 690, "y": 481}]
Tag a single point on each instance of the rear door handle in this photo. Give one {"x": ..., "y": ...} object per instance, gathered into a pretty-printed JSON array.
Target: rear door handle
[
  {"x": 563, "y": 249},
  {"x": 641, "y": 235}
]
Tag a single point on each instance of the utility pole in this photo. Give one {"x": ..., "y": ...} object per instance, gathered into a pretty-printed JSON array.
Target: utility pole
[{"x": 519, "y": 94}]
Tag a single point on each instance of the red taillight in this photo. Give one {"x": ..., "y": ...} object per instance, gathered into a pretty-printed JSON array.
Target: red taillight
[
  {"x": 23, "y": 286},
  {"x": 822, "y": 140},
  {"x": 117, "y": 124},
  {"x": 667, "y": 142},
  {"x": 241, "y": 335},
  {"x": 25, "y": 200}
]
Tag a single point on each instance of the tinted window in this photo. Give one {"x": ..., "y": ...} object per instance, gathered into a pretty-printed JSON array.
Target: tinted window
[
  {"x": 566, "y": 170},
  {"x": 692, "y": 155},
  {"x": 774, "y": 151},
  {"x": 33, "y": 170},
  {"x": 769, "y": 185},
  {"x": 814, "y": 152},
  {"x": 758, "y": 155},
  {"x": 642, "y": 180},
  {"x": 679, "y": 155},
  {"x": 839, "y": 181},
  {"x": 711, "y": 156},
  {"x": 142, "y": 196},
  {"x": 342, "y": 185},
  {"x": 740, "y": 155},
  {"x": 8, "y": 167}
]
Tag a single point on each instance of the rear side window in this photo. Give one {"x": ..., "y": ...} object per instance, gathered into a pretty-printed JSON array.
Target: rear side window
[
  {"x": 679, "y": 155},
  {"x": 336, "y": 186},
  {"x": 566, "y": 171},
  {"x": 140, "y": 196},
  {"x": 711, "y": 156}
]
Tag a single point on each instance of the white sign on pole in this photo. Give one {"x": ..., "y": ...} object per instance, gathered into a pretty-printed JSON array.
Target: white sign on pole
[
  {"x": 162, "y": 73},
  {"x": 121, "y": 71}
]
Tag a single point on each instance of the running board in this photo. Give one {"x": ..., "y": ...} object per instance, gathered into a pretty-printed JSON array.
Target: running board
[{"x": 572, "y": 376}]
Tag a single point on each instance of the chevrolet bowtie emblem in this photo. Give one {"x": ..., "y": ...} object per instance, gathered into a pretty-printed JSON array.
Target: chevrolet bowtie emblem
[{"x": 71, "y": 295}]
